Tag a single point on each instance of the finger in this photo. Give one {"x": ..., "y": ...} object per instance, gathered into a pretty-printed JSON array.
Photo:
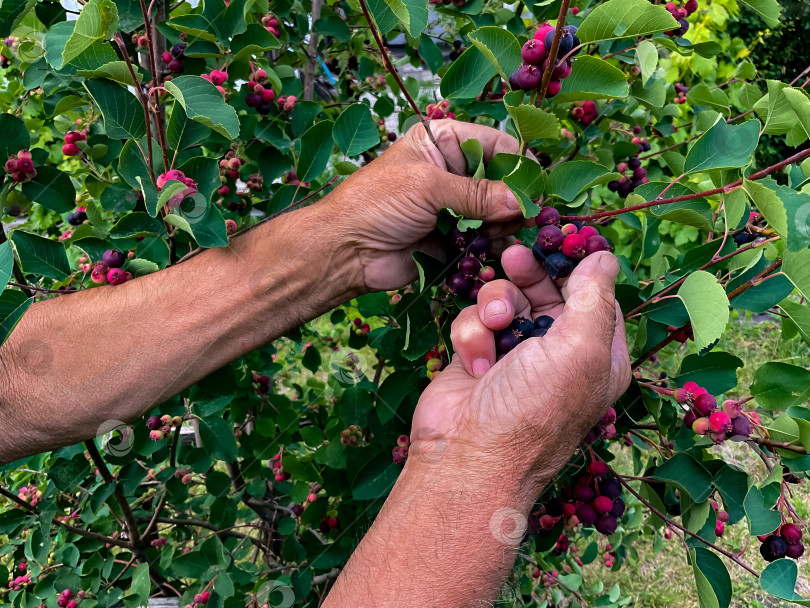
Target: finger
[
  {"x": 588, "y": 321},
  {"x": 479, "y": 199},
  {"x": 528, "y": 274},
  {"x": 499, "y": 302},
  {"x": 620, "y": 372},
  {"x": 473, "y": 342},
  {"x": 500, "y": 231},
  {"x": 449, "y": 134}
]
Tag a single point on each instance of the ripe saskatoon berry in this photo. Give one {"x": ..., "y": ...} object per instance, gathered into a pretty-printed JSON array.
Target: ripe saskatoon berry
[
  {"x": 70, "y": 149},
  {"x": 705, "y": 404},
  {"x": 547, "y": 217},
  {"x": 794, "y": 550},
  {"x": 618, "y": 508},
  {"x": 603, "y": 504},
  {"x": 607, "y": 524},
  {"x": 506, "y": 341},
  {"x": 587, "y": 515},
  {"x": 550, "y": 238},
  {"x": 583, "y": 493},
  {"x": 587, "y": 232},
  {"x": 574, "y": 246},
  {"x": 527, "y": 77},
  {"x": 116, "y": 276},
  {"x": 596, "y": 243},
  {"x": 610, "y": 488},
  {"x": 479, "y": 245},
  {"x": 533, "y": 52},
  {"x": 554, "y": 87},
  {"x": 543, "y": 322},
  {"x": 469, "y": 265},
  {"x": 459, "y": 284},
  {"x": 598, "y": 468},
  {"x": 558, "y": 265},
  {"x": 153, "y": 423},
  {"x": 634, "y": 162},
  {"x": 773, "y": 548},
  {"x": 113, "y": 258},
  {"x": 555, "y": 507},
  {"x": 740, "y": 427},
  {"x": 790, "y": 532},
  {"x": 523, "y": 326},
  {"x": 719, "y": 422}
]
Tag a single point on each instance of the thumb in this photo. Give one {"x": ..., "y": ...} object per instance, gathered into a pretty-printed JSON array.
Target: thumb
[
  {"x": 588, "y": 320},
  {"x": 480, "y": 199}
]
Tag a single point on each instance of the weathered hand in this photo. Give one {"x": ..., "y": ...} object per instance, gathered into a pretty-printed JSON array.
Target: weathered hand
[
  {"x": 533, "y": 406},
  {"x": 388, "y": 209}
]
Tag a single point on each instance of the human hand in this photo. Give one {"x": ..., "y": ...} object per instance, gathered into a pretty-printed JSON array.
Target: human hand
[
  {"x": 388, "y": 209},
  {"x": 526, "y": 413}
]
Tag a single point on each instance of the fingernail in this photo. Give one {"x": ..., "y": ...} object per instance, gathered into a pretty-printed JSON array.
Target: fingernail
[
  {"x": 495, "y": 307},
  {"x": 511, "y": 201},
  {"x": 609, "y": 263},
  {"x": 480, "y": 366}
]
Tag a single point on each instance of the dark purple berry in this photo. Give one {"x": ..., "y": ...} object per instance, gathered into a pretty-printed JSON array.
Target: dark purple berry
[
  {"x": 525, "y": 327},
  {"x": 548, "y": 216},
  {"x": 611, "y": 488},
  {"x": 506, "y": 341},
  {"x": 543, "y": 322},
  {"x": 538, "y": 253},
  {"x": 474, "y": 291},
  {"x": 76, "y": 218},
  {"x": 113, "y": 258},
  {"x": 555, "y": 507},
  {"x": 178, "y": 50},
  {"x": 794, "y": 550},
  {"x": 634, "y": 162},
  {"x": 558, "y": 265},
  {"x": 587, "y": 515},
  {"x": 740, "y": 427},
  {"x": 596, "y": 243},
  {"x": 527, "y": 77},
  {"x": 773, "y": 548},
  {"x": 583, "y": 493},
  {"x": 550, "y": 238},
  {"x": 253, "y": 100},
  {"x": 618, "y": 508},
  {"x": 538, "y": 333},
  {"x": 153, "y": 423},
  {"x": 459, "y": 284},
  {"x": 479, "y": 245},
  {"x": 606, "y": 524},
  {"x": 613, "y": 185},
  {"x": 469, "y": 265}
]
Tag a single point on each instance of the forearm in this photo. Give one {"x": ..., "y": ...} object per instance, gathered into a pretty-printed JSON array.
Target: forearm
[
  {"x": 112, "y": 353},
  {"x": 447, "y": 537}
]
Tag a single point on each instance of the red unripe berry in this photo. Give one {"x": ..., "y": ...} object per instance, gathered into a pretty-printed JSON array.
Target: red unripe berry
[
  {"x": 603, "y": 504},
  {"x": 70, "y": 149},
  {"x": 260, "y": 74},
  {"x": 142, "y": 41},
  {"x": 701, "y": 426},
  {"x": 268, "y": 95},
  {"x": 598, "y": 468},
  {"x": 166, "y": 56},
  {"x": 719, "y": 528},
  {"x": 176, "y": 66},
  {"x": 554, "y": 86},
  {"x": 722, "y": 516},
  {"x": 578, "y": 113},
  {"x": 533, "y": 52},
  {"x": 486, "y": 273},
  {"x": 574, "y": 246},
  {"x": 116, "y": 276},
  {"x": 790, "y": 532},
  {"x": 588, "y": 231},
  {"x": 705, "y": 404},
  {"x": 547, "y": 522},
  {"x": 568, "y": 510},
  {"x": 575, "y": 11},
  {"x": 223, "y": 190},
  {"x": 333, "y": 522},
  {"x": 719, "y": 422}
]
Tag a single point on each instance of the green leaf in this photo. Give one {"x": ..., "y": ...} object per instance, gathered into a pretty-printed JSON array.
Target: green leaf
[
  {"x": 467, "y": 75},
  {"x": 254, "y": 41},
  {"x": 695, "y": 212},
  {"x": 122, "y": 112},
  {"x": 217, "y": 438},
  {"x": 98, "y": 21},
  {"x": 647, "y": 60},
  {"x": 796, "y": 267},
  {"x": 593, "y": 78},
  {"x": 531, "y": 122},
  {"x": 713, "y": 571},
  {"x": 474, "y": 155},
  {"x": 355, "y": 130},
  {"x": 137, "y": 224},
  {"x": 500, "y": 47},
  {"x": 41, "y": 256},
  {"x": 333, "y": 26},
  {"x": 707, "y": 305},
  {"x": 132, "y": 165},
  {"x": 141, "y": 584},
  {"x": 733, "y": 487},
  {"x": 51, "y": 188},
  {"x": 412, "y": 13},
  {"x": 6, "y": 263},
  {"x": 716, "y": 371},
  {"x": 787, "y": 211},
  {"x": 800, "y": 103},
  {"x": 625, "y": 19},
  {"x": 761, "y": 519},
  {"x": 376, "y": 479},
  {"x": 13, "y": 304},
  {"x": 779, "y": 385},
  {"x": 431, "y": 53},
  {"x": 702, "y": 95},
  {"x": 15, "y": 135},
  {"x": 204, "y": 221},
  {"x": 769, "y": 10},
  {"x": 688, "y": 475},
  {"x": 170, "y": 188},
  {"x": 182, "y": 133},
  {"x": 724, "y": 146},
  {"x": 383, "y": 15},
  {"x": 205, "y": 104},
  {"x": 799, "y": 314},
  {"x": 114, "y": 70},
  {"x": 316, "y": 147},
  {"x": 12, "y": 13},
  {"x": 568, "y": 179},
  {"x": 526, "y": 183},
  {"x": 393, "y": 391}
]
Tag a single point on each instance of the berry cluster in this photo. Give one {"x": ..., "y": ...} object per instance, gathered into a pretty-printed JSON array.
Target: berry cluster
[
  {"x": 605, "y": 428},
  {"x": 108, "y": 269},
  {"x": 680, "y": 15},
  {"x": 361, "y": 327},
  {"x": 65, "y": 599},
  {"x": 262, "y": 383},
  {"x": 286, "y": 104},
  {"x": 328, "y": 524},
  {"x": 229, "y": 172},
  {"x": 704, "y": 418},
  {"x": 179, "y": 176},
  {"x": 437, "y": 111},
  {"x": 261, "y": 95},
  {"x": 255, "y": 182},
  {"x": 626, "y": 184},
  {"x": 160, "y": 426},
  {"x": 71, "y": 137},
  {"x": 217, "y": 78},
  {"x": 785, "y": 542},
  {"x": 680, "y": 93},
  {"x": 159, "y": 542},
  {"x": 721, "y": 519},
  {"x": 585, "y": 111},
  {"x": 200, "y": 599},
  {"x": 642, "y": 143},
  {"x": 20, "y": 166},
  {"x": 458, "y": 45},
  {"x": 18, "y": 582},
  {"x": 30, "y": 494},
  {"x": 351, "y": 436},
  {"x": 535, "y": 60},
  {"x": 140, "y": 41},
  {"x": 278, "y": 470},
  {"x": 471, "y": 275},
  {"x": 400, "y": 452},
  {"x": 174, "y": 58},
  {"x": 184, "y": 475},
  {"x": 560, "y": 248},
  {"x": 520, "y": 329},
  {"x": 385, "y": 134},
  {"x": 272, "y": 25}
]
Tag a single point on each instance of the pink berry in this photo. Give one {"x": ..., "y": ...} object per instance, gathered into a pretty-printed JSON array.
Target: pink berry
[
  {"x": 166, "y": 56},
  {"x": 732, "y": 408},
  {"x": 790, "y": 532},
  {"x": 230, "y": 226},
  {"x": 603, "y": 504},
  {"x": 598, "y": 468},
  {"x": 719, "y": 422},
  {"x": 70, "y": 149},
  {"x": 574, "y": 246},
  {"x": 260, "y": 74},
  {"x": 116, "y": 276}
]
